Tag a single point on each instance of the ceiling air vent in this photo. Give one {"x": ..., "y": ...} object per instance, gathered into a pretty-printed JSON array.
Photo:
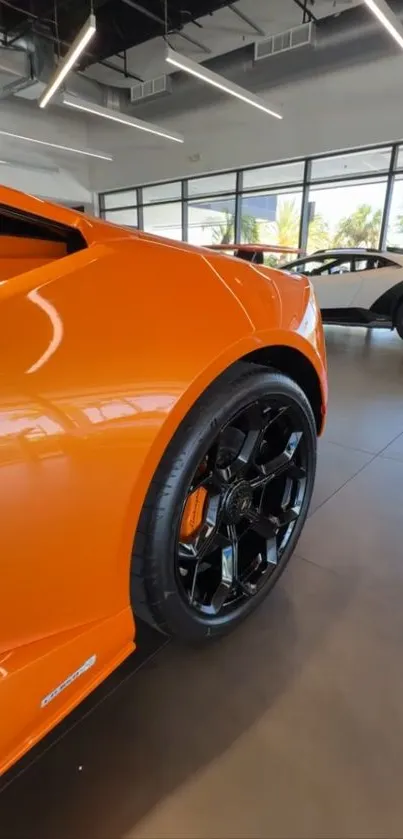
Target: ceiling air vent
[
  {"x": 155, "y": 87},
  {"x": 298, "y": 36}
]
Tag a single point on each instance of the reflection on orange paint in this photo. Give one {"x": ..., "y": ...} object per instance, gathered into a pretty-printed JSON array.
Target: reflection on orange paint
[{"x": 95, "y": 382}]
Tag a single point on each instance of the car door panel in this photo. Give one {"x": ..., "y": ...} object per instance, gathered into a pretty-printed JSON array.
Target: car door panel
[
  {"x": 374, "y": 284},
  {"x": 336, "y": 291}
]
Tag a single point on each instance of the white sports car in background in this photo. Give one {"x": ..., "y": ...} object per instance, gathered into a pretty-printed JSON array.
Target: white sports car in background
[{"x": 356, "y": 286}]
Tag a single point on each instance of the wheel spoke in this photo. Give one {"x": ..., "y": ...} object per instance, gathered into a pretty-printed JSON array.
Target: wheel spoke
[
  {"x": 262, "y": 525},
  {"x": 276, "y": 416},
  {"x": 281, "y": 463},
  {"x": 285, "y": 518},
  {"x": 261, "y": 566},
  {"x": 271, "y": 551},
  {"x": 256, "y": 425},
  {"x": 229, "y": 570}
]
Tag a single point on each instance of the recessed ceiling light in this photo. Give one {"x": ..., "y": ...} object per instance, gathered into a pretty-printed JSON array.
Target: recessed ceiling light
[
  {"x": 77, "y": 47},
  {"x": 116, "y": 116},
  {"x": 58, "y": 146},
  {"x": 216, "y": 80}
]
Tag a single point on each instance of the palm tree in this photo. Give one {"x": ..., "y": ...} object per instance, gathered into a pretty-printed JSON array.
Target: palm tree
[
  {"x": 361, "y": 229},
  {"x": 318, "y": 234},
  {"x": 285, "y": 229},
  {"x": 223, "y": 232},
  {"x": 250, "y": 230}
]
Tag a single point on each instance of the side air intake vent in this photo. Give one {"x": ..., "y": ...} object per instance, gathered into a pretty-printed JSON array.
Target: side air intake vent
[
  {"x": 147, "y": 90},
  {"x": 298, "y": 36}
]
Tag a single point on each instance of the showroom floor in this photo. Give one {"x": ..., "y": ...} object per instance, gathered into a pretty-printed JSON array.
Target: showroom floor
[{"x": 292, "y": 726}]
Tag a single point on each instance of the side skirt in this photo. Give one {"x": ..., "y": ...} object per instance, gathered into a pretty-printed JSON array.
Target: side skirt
[{"x": 356, "y": 317}]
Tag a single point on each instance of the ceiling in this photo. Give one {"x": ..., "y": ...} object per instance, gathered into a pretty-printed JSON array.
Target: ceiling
[
  {"x": 121, "y": 24},
  {"x": 131, "y": 34}
]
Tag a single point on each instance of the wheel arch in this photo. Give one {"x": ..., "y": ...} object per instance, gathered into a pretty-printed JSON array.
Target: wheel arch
[
  {"x": 297, "y": 366},
  {"x": 388, "y": 303}
]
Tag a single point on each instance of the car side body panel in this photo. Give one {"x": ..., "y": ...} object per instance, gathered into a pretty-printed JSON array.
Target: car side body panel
[
  {"x": 103, "y": 353},
  {"x": 358, "y": 289}
]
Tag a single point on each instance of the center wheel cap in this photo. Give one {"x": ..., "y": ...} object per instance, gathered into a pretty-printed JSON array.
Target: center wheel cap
[{"x": 238, "y": 502}]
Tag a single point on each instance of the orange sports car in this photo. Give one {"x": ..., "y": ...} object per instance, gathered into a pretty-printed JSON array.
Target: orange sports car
[{"x": 159, "y": 410}]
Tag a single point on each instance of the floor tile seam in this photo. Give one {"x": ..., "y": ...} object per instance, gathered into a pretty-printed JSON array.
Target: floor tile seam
[{"x": 361, "y": 469}]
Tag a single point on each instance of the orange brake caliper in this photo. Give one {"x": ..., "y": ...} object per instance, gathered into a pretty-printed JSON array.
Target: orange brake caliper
[{"x": 193, "y": 513}]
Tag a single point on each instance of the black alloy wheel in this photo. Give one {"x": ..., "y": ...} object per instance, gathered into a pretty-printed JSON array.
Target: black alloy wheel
[{"x": 226, "y": 506}]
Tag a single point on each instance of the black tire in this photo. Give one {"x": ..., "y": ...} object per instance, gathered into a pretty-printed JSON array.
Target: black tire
[
  {"x": 398, "y": 320},
  {"x": 157, "y": 596}
]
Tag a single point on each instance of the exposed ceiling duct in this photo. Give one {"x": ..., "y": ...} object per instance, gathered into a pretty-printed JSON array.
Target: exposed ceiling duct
[{"x": 348, "y": 38}]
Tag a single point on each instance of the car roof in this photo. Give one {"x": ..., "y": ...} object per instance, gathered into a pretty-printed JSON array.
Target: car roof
[
  {"x": 393, "y": 255},
  {"x": 348, "y": 251}
]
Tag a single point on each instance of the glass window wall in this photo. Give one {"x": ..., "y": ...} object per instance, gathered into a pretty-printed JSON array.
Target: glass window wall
[
  {"x": 212, "y": 185},
  {"x": 211, "y": 221},
  {"x": 272, "y": 218},
  {"x": 359, "y": 163},
  {"x": 287, "y": 173},
  {"x": 394, "y": 235},
  {"x": 346, "y": 215},
  {"x": 162, "y": 192},
  {"x": 123, "y": 198},
  {"x": 348, "y": 199},
  {"x": 126, "y": 218},
  {"x": 164, "y": 220}
]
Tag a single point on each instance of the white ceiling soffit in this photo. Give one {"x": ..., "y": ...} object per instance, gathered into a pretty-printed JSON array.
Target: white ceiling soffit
[{"x": 221, "y": 33}]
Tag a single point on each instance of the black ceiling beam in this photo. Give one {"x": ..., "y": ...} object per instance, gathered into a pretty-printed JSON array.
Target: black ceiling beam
[
  {"x": 303, "y": 5},
  {"x": 139, "y": 8},
  {"x": 247, "y": 20},
  {"x": 123, "y": 72},
  {"x": 121, "y": 24}
]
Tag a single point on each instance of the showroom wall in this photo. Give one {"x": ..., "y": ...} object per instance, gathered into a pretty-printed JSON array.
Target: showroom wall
[
  {"x": 43, "y": 171},
  {"x": 351, "y": 107}
]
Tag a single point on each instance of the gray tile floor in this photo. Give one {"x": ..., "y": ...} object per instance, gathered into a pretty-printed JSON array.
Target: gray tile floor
[{"x": 292, "y": 727}]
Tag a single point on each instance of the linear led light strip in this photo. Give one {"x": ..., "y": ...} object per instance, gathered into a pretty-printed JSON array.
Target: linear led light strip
[
  {"x": 77, "y": 47},
  {"x": 107, "y": 113},
  {"x": 201, "y": 72},
  {"x": 100, "y": 155},
  {"x": 387, "y": 18}
]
